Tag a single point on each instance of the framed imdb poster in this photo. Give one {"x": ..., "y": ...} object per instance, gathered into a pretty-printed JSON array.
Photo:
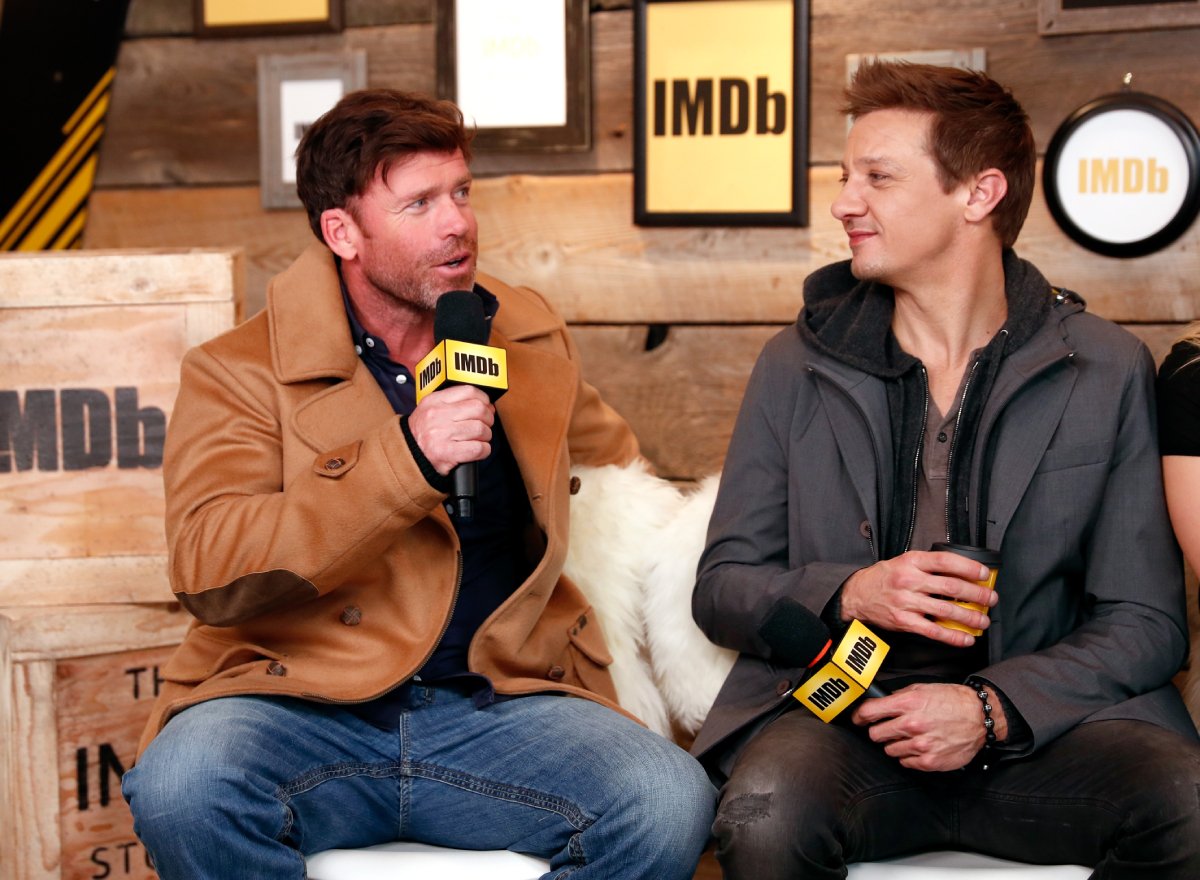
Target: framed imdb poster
[
  {"x": 721, "y": 112},
  {"x": 244, "y": 18}
]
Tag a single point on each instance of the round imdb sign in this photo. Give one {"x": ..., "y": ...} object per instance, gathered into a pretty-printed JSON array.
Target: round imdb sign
[{"x": 1122, "y": 174}]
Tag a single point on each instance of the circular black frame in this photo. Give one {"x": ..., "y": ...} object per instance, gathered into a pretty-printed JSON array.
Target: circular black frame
[{"x": 1183, "y": 128}]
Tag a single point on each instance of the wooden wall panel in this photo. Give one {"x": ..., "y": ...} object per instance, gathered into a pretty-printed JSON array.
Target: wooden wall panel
[
  {"x": 207, "y": 133},
  {"x": 184, "y": 110},
  {"x": 180, "y": 166},
  {"x": 1051, "y": 76},
  {"x": 573, "y": 238},
  {"x": 682, "y": 397}
]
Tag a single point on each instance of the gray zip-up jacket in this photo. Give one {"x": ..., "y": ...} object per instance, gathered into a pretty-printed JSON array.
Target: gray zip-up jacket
[{"x": 1091, "y": 622}]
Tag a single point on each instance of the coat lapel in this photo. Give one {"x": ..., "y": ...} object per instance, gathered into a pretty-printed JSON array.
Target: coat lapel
[
  {"x": 858, "y": 403},
  {"x": 1029, "y": 423},
  {"x": 311, "y": 339},
  {"x": 340, "y": 414},
  {"x": 536, "y": 410}
]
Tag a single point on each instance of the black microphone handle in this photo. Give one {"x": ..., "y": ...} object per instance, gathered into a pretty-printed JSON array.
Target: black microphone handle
[
  {"x": 465, "y": 477},
  {"x": 874, "y": 692}
]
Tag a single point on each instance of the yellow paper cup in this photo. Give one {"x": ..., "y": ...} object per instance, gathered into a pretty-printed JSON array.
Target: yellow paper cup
[{"x": 990, "y": 558}]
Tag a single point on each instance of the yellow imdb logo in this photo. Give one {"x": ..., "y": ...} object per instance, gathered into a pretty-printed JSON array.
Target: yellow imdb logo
[
  {"x": 719, "y": 106},
  {"x": 846, "y": 677},
  {"x": 452, "y": 362}
]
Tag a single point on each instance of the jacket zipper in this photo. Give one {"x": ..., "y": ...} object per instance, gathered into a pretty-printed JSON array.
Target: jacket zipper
[
  {"x": 962, "y": 402},
  {"x": 916, "y": 468}
]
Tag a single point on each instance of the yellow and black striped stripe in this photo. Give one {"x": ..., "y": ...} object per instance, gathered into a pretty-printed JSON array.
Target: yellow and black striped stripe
[{"x": 50, "y": 214}]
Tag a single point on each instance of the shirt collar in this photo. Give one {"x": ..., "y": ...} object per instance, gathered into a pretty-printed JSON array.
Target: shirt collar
[{"x": 365, "y": 342}]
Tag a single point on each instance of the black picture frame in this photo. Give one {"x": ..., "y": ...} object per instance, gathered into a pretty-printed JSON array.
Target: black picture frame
[
  {"x": 575, "y": 135},
  {"x": 797, "y": 213},
  {"x": 266, "y": 24},
  {"x": 1189, "y": 140},
  {"x": 1098, "y": 16}
]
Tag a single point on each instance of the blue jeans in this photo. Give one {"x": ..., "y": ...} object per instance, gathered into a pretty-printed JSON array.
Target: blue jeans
[{"x": 241, "y": 787}]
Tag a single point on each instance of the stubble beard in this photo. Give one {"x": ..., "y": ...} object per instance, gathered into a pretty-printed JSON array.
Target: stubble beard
[
  {"x": 866, "y": 270},
  {"x": 413, "y": 287}
]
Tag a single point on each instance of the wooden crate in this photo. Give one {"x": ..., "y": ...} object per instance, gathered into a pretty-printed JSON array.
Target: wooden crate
[
  {"x": 90, "y": 346},
  {"x": 76, "y": 686}
]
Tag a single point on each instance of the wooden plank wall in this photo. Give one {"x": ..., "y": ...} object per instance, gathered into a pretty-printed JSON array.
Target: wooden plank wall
[{"x": 669, "y": 320}]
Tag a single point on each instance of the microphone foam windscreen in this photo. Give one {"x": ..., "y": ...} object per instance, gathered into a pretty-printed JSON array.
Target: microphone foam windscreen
[
  {"x": 459, "y": 315},
  {"x": 795, "y": 635}
]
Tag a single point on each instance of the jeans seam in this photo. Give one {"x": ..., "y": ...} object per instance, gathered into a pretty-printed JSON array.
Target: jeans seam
[
  {"x": 569, "y": 811},
  {"x": 315, "y": 777},
  {"x": 863, "y": 796},
  {"x": 403, "y": 786},
  {"x": 1045, "y": 800}
]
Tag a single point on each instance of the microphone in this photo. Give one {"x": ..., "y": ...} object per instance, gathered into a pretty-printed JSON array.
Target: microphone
[
  {"x": 796, "y": 636},
  {"x": 460, "y": 356},
  {"x": 848, "y": 676}
]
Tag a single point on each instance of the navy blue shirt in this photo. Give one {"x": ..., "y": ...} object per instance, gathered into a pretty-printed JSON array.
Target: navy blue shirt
[{"x": 493, "y": 542}]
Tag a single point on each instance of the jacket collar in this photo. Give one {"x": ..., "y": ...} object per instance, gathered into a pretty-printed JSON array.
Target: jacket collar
[
  {"x": 310, "y": 334},
  {"x": 851, "y": 320},
  {"x": 310, "y": 339}
]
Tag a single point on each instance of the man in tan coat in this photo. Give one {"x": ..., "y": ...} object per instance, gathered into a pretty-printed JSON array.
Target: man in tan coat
[{"x": 366, "y": 665}]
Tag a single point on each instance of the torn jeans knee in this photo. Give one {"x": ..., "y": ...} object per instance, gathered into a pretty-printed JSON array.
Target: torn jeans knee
[{"x": 744, "y": 809}]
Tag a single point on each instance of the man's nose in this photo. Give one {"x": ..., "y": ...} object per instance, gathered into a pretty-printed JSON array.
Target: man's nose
[{"x": 847, "y": 204}]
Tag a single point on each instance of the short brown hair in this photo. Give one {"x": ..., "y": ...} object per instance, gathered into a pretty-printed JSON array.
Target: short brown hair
[
  {"x": 977, "y": 124},
  {"x": 339, "y": 153}
]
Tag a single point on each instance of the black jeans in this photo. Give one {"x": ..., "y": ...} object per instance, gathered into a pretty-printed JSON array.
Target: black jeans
[{"x": 806, "y": 798}]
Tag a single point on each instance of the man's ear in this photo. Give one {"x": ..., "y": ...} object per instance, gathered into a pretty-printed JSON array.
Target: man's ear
[
  {"x": 987, "y": 189},
  {"x": 340, "y": 232}
]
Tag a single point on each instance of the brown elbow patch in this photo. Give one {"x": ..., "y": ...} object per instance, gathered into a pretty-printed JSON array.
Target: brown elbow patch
[{"x": 248, "y": 596}]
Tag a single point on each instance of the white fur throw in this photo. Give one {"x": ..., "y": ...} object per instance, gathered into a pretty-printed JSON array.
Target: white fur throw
[
  {"x": 634, "y": 543},
  {"x": 688, "y": 667}
]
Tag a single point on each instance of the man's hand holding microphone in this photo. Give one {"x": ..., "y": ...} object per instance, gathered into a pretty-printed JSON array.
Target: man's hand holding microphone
[
  {"x": 930, "y": 593},
  {"x": 458, "y": 383}
]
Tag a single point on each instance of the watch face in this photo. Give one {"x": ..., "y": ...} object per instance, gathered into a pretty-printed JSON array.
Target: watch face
[{"x": 1122, "y": 174}]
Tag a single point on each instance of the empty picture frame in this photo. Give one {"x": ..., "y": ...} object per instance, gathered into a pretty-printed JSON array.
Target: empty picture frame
[
  {"x": 245, "y": 18},
  {"x": 293, "y": 90},
  {"x": 520, "y": 72}
]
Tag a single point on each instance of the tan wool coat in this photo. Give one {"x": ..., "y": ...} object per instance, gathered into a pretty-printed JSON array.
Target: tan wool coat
[{"x": 317, "y": 559}]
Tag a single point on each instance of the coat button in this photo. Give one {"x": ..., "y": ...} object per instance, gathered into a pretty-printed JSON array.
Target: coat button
[
  {"x": 276, "y": 668},
  {"x": 575, "y": 484},
  {"x": 351, "y": 615},
  {"x": 556, "y": 673},
  {"x": 782, "y": 686},
  {"x": 864, "y": 528},
  {"x": 334, "y": 464}
]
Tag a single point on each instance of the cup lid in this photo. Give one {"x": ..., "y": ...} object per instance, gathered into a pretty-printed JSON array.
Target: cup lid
[{"x": 982, "y": 555}]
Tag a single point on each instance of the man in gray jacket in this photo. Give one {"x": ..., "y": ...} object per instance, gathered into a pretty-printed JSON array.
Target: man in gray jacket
[{"x": 936, "y": 388}]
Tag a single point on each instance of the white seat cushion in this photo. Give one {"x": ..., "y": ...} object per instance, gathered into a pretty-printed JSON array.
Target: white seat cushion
[
  {"x": 418, "y": 861},
  {"x": 961, "y": 866}
]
